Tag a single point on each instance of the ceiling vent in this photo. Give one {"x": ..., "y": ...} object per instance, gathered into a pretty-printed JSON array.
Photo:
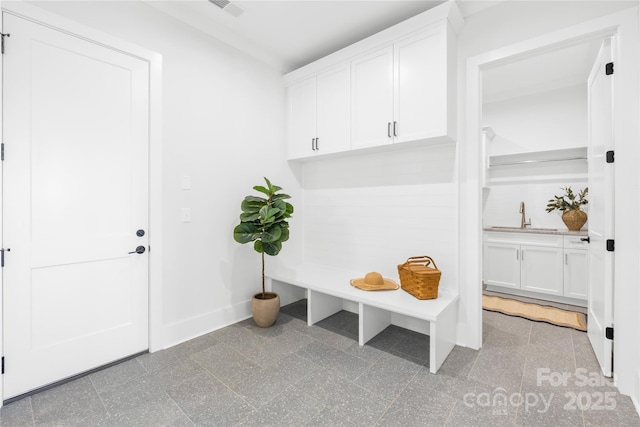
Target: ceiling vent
[{"x": 226, "y": 5}]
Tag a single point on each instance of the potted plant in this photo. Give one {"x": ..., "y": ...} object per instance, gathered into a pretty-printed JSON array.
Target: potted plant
[
  {"x": 569, "y": 204},
  {"x": 264, "y": 221}
]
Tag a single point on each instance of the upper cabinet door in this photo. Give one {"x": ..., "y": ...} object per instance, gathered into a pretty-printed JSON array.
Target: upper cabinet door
[
  {"x": 302, "y": 118},
  {"x": 372, "y": 99},
  {"x": 420, "y": 86},
  {"x": 333, "y": 110}
]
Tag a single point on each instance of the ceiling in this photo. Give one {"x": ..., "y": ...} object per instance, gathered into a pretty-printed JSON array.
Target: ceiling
[
  {"x": 292, "y": 33},
  {"x": 555, "y": 69}
]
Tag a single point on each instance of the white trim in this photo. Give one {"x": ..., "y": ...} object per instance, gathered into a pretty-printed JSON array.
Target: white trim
[
  {"x": 624, "y": 24},
  {"x": 154, "y": 59}
]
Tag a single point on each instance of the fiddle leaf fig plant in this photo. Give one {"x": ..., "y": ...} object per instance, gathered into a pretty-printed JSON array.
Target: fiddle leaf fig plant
[{"x": 263, "y": 221}]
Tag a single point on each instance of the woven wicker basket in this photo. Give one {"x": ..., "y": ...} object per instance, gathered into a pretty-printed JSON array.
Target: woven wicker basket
[{"x": 418, "y": 278}]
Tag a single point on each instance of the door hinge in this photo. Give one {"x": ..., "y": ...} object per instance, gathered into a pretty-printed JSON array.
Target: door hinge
[
  {"x": 611, "y": 245},
  {"x": 2, "y": 36},
  {"x": 608, "y": 333},
  {"x": 610, "y": 156},
  {"x": 608, "y": 69},
  {"x": 2, "y": 251}
]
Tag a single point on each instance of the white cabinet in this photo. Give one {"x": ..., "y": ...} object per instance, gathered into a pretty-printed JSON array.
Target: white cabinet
[
  {"x": 576, "y": 267},
  {"x": 318, "y": 112},
  {"x": 541, "y": 269},
  {"x": 372, "y": 99},
  {"x": 403, "y": 92},
  {"x": 532, "y": 263},
  {"x": 502, "y": 264},
  {"x": 533, "y": 266},
  {"x": 397, "y": 86}
]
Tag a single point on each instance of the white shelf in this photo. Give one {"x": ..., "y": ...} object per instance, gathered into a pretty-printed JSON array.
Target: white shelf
[{"x": 535, "y": 157}]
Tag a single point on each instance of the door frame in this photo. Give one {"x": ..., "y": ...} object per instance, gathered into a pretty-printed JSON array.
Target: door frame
[
  {"x": 623, "y": 25},
  {"x": 154, "y": 59}
]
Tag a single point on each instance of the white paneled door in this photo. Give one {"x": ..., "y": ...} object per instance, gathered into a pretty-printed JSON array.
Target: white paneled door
[
  {"x": 75, "y": 204},
  {"x": 601, "y": 202}
]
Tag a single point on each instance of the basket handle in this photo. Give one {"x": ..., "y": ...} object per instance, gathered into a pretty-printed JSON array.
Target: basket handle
[{"x": 422, "y": 259}]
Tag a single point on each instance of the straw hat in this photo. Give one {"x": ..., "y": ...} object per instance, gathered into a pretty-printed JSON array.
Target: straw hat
[{"x": 374, "y": 281}]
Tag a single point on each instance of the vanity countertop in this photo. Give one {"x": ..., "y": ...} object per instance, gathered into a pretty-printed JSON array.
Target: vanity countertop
[{"x": 564, "y": 232}]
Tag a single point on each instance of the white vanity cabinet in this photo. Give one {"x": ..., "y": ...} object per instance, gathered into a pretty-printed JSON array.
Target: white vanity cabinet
[
  {"x": 535, "y": 263},
  {"x": 403, "y": 92},
  {"x": 576, "y": 267},
  {"x": 530, "y": 262},
  {"x": 397, "y": 86},
  {"x": 318, "y": 113}
]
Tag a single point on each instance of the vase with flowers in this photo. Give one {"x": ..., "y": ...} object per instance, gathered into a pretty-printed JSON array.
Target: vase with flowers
[{"x": 569, "y": 204}]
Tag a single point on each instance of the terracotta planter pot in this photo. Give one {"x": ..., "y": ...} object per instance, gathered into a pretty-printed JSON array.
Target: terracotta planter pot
[
  {"x": 265, "y": 311},
  {"x": 574, "y": 220}
]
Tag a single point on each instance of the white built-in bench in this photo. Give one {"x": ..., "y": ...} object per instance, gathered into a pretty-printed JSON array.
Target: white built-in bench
[{"x": 327, "y": 290}]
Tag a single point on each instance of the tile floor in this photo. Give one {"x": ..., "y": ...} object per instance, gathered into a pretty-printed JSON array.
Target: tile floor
[{"x": 295, "y": 375}]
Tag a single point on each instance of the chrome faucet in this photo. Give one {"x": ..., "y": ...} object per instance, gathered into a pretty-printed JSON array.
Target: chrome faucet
[{"x": 523, "y": 223}]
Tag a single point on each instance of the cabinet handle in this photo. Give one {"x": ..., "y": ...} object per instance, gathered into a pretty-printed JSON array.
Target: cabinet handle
[
  {"x": 517, "y": 254},
  {"x": 395, "y": 125},
  {"x": 317, "y": 146},
  {"x": 389, "y": 129},
  {"x": 313, "y": 146},
  {"x": 566, "y": 259}
]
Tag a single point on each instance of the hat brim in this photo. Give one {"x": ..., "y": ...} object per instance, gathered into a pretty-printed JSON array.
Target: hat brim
[{"x": 388, "y": 285}]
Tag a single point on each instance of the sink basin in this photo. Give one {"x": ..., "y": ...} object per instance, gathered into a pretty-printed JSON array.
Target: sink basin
[{"x": 521, "y": 229}]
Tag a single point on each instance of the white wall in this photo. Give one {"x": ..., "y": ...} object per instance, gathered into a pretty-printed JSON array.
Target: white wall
[
  {"x": 543, "y": 121},
  {"x": 223, "y": 125},
  {"x": 371, "y": 212}
]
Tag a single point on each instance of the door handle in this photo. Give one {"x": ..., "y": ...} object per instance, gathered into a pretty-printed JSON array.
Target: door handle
[
  {"x": 585, "y": 239},
  {"x": 139, "y": 250}
]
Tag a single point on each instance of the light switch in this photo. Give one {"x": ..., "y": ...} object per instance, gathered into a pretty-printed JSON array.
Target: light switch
[
  {"x": 185, "y": 215},
  {"x": 185, "y": 182}
]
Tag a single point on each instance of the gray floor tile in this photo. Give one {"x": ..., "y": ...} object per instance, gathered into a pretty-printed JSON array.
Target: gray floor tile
[
  {"x": 206, "y": 401},
  {"x": 334, "y": 360},
  {"x": 240, "y": 338},
  {"x": 118, "y": 375},
  {"x": 547, "y": 408},
  {"x": 329, "y": 338},
  {"x": 287, "y": 342},
  {"x": 615, "y": 410},
  {"x": 264, "y": 385},
  {"x": 182, "y": 370},
  {"x": 388, "y": 376},
  {"x": 459, "y": 362},
  {"x": 552, "y": 337},
  {"x": 476, "y": 414},
  {"x": 74, "y": 403},
  {"x": 18, "y": 414},
  {"x": 294, "y": 374},
  {"x": 297, "y": 309},
  {"x": 414, "y": 345},
  {"x": 290, "y": 408},
  {"x": 500, "y": 367},
  {"x": 226, "y": 364},
  {"x": 328, "y": 418},
  {"x": 343, "y": 322},
  {"x": 419, "y": 406},
  {"x": 166, "y": 358},
  {"x": 344, "y": 398},
  {"x": 144, "y": 404}
]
